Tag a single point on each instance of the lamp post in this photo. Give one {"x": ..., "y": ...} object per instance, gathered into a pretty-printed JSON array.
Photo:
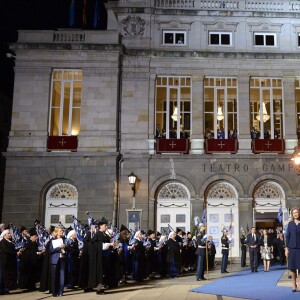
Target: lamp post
[
  {"x": 296, "y": 159},
  {"x": 132, "y": 180}
]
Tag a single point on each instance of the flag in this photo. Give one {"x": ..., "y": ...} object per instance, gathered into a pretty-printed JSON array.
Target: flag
[
  {"x": 230, "y": 223},
  {"x": 96, "y": 15},
  {"x": 16, "y": 233},
  {"x": 84, "y": 13},
  {"x": 170, "y": 229},
  {"x": 279, "y": 215},
  {"x": 203, "y": 219},
  {"x": 90, "y": 219},
  {"x": 72, "y": 14}
]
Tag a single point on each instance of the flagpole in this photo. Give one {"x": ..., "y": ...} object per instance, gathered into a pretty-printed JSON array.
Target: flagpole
[{"x": 206, "y": 244}]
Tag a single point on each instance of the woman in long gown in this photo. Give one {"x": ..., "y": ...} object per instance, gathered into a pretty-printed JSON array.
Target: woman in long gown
[
  {"x": 292, "y": 250},
  {"x": 266, "y": 249}
]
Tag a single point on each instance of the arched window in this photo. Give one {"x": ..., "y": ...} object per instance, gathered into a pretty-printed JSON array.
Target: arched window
[
  {"x": 61, "y": 204},
  {"x": 173, "y": 207}
]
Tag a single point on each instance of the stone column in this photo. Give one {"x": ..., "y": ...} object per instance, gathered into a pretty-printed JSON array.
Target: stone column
[
  {"x": 151, "y": 110},
  {"x": 289, "y": 108},
  {"x": 244, "y": 115},
  {"x": 197, "y": 139}
]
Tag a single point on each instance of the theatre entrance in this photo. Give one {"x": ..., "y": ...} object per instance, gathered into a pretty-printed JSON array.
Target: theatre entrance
[
  {"x": 269, "y": 205},
  {"x": 61, "y": 205},
  {"x": 173, "y": 208}
]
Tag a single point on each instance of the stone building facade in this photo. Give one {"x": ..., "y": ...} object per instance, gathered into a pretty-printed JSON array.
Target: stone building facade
[{"x": 223, "y": 65}]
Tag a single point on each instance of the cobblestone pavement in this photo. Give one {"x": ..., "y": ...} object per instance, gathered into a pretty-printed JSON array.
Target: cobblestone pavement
[{"x": 168, "y": 289}]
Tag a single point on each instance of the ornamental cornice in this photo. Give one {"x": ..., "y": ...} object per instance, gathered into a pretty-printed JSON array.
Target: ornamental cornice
[
  {"x": 265, "y": 26},
  {"x": 33, "y": 70},
  {"x": 100, "y": 71},
  {"x": 173, "y": 24},
  {"x": 220, "y": 25}
]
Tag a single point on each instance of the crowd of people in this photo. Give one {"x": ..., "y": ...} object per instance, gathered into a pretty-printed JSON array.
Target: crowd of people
[
  {"x": 102, "y": 257},
  {"x": 161, "y": 133}
]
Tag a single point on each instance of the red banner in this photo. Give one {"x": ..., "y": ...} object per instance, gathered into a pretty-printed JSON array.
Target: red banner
[
  {"x": 268, "y": 146},
  {"x": 172, "y": 146},
  {"x": 62, "y": 143},
  {"x": 221, "y": 146}
]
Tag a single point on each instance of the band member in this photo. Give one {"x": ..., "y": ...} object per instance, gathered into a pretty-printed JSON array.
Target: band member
[
  {"x": 225, "y": 251},
  {"x": 201, "y": 253},
  {"x": 243, "y": 249}
]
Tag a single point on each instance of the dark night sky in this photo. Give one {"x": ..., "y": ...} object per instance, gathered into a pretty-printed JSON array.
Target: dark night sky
[{"x": 37, "y": 14}]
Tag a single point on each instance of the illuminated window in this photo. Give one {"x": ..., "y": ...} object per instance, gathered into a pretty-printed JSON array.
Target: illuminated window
[
  {"x": 173, "y": 105},
  {"x": 266, "y": 107},
  {"x": 220, "y": 107},
  {"x": 66, "y": 93}
]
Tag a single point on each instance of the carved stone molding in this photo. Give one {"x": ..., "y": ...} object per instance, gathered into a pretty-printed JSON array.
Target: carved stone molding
[
  {"x": 100, "y": 71},
  {"x": 174, "y": 24},
  {"x": 269, "y": 190},
  {"x": 222, "y": 190},
  {"x": 265, "y": 26},
  {"x": 174, "y": 190},
  {"x": 133, "y": 26},
  {"x": 33, "y": 70},
  {"x": 62, "y": 191},
  {"x": 220, "y": 25}
]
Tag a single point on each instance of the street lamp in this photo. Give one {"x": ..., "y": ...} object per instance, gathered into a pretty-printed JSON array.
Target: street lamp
[
  {"x": 296, "y": 159},
  {"x": 132, "y": 180}
]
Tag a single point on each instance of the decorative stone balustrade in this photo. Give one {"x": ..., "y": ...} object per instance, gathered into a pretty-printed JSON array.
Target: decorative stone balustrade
[
  {"x": 68, "y": 37},
  {"x": 263, "y": 6}
]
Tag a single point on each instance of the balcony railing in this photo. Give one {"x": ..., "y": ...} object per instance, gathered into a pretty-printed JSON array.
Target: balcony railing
[
  {"x": 172, "y": 146},
  {"x": 62, "y": 143},
  {"x": 221, "y": 146},
  {"x": 268, "y": 146}
]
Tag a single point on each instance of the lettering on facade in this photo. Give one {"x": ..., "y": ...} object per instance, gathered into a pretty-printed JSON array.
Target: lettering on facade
[{"x": 239, "y": 168}]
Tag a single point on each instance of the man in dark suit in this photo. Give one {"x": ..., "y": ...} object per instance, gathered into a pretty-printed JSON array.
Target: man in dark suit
[{"x": 253, "y": 243}]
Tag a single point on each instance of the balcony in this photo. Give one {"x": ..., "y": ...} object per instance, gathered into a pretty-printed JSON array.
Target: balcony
[
  {"x": 268, "y": 146},
  {"x": 62, "y": 143},
  {"x": 180, "y": 146},
  {"x": 221, "y": 146}
]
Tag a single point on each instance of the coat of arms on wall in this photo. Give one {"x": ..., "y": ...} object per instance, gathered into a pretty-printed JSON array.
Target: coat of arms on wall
[{"x": 133, "y": 26}]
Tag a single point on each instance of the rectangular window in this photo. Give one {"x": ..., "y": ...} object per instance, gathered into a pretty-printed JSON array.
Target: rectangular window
[
  {"x": 66, "y": 93},
  {"x": 177, "y": 38},
  {"x": 266, "y": 107},
  {"x": 220, "y": 38},
  {"x": 298, "y": 39},
  {"x": 264, "y": 39},
  {"x": 173, "y": 105},
  {"x": 220, "y": 107}
]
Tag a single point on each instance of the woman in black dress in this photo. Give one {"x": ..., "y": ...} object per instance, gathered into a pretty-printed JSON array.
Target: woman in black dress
[
  {"x": 173, "y": 256},
  {"x": 8, "y": 262}
]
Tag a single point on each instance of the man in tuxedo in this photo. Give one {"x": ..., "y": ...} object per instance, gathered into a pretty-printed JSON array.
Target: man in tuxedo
[{"x": 252, "y": 241}]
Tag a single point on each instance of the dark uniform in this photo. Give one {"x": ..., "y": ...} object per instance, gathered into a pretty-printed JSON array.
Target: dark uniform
[
  {"x": 225, "y": 253},
  {"x": 243, "y": 250},
  {"x": 201, "y": 253}
]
